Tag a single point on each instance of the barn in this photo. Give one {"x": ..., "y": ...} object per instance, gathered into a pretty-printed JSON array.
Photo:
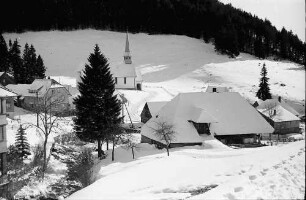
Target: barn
[{"x": 227, "y": 116}]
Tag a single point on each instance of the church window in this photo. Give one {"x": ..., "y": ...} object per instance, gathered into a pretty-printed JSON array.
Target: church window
[{"x": 124, "y": 80}]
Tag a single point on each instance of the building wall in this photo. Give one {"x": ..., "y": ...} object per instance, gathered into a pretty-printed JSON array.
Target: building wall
[
  {"x": 238, "y": 139},
  {"x": 145, "y": 139},
  {"x": 287, "y": 127},
  {"x": 130, "y": 83},
  {"x": 145, "y": 114},
  {"x": 59, "y": 96},
  {"x": 3, "y": 140}
]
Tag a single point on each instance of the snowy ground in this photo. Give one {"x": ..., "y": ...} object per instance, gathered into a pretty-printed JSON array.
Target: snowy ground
[{"x": 272, "y": 172}]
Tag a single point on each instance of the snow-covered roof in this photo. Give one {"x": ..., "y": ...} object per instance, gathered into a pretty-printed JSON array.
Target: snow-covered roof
[
  {"x": 154, "y": 107},
  {"x": 5, "y": 92},
  {"x": 228, "y": 112},
  {"x": 40, "y": 85},
  {"x": 123, "y": 70},
  {"x": 217, "y": 88},
  {"x": 278, "y": 113},
  {"x": 271, "y": 103}
]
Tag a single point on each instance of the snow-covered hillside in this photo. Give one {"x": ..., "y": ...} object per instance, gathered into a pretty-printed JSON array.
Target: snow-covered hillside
[{"x": 169, "y": 63}]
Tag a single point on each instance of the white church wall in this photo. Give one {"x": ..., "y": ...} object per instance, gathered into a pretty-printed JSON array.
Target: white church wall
[{"x": 130, "y": 83}]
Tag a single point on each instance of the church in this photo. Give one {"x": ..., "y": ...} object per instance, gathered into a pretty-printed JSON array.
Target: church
[{"x": 125, "y": 74}]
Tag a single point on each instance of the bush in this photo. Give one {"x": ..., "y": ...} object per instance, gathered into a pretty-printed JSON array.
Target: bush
[
  {"x": 68, "y": 138},
  {"x": 80, "y": 167},
  {"x": 38, "y": 155}
]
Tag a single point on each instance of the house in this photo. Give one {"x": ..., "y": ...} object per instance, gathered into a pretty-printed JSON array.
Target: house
[
  {"x": 40, "y": 92},
  {"x": 4, "y": 95},
  {"x": 6, "y": 78},
  {"x": 227, "y": 116},
  {"x": 217, "y": 89},
  {"x": 125, "y": 74},
  {"x": 150, "y": 109},
  {"x": 280, "y": 115}
]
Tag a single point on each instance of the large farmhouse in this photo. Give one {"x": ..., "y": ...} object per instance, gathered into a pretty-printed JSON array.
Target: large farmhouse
[
  {"x": 226, "y": 116},
  {"x": 280, "y": 115}
]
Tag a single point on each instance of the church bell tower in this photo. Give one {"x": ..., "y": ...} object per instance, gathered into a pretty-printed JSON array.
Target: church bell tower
[{"x": 127, "y": 56}]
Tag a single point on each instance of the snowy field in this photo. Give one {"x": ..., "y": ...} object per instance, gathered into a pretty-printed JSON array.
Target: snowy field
[
  {"x": 171, "y": 64},
  {"x": 272, "y": 172}
]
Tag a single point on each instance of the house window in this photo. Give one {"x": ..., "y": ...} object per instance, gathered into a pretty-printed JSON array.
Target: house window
[
  {"x": 124, "y": 80},
  {"x": 116, "y": 81},
  {"x": 214, "y": 89},
  {"x": 1, "y": 133}
]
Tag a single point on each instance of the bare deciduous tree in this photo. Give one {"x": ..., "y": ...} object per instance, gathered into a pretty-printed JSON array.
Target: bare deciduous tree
[
  {"x": 164, "y": 131},
  {"x": 48, "y": 111},
  {"x": 130, "y": 143}
]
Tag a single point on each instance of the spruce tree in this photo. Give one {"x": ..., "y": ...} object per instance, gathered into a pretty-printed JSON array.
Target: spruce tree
[
  {"x": 3, "y": 55},
  {"x": 264, "y": 90},
  {"x": 40, "y": 68},
  {"x": 21, "y": 143},
  {"x": 97, "y": 108},
  {"x": 15, "y": 62},
  {"x": 26, "y": 65}
]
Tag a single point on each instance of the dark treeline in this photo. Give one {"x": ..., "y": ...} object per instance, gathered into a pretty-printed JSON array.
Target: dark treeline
[{"x": 231, "y": 30}]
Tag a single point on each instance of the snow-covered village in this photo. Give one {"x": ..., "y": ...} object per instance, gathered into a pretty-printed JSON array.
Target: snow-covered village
[{"x": 152, "y": 100}]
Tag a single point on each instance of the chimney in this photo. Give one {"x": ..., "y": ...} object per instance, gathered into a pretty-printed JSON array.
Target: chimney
[{"x": 279, "y": 99}]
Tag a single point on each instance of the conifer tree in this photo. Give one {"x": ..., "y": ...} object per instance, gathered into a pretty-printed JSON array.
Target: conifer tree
[
  {"x": 264, "y": 90},
  {"x": 97, "y": 108},
  {"x": 15, "y": 62},
  {"x": 40, "y": 68},
  {"x": 21, "y": 143},
  {"x": 3, "y": 55},
  {"x": 26, "y": 65}
]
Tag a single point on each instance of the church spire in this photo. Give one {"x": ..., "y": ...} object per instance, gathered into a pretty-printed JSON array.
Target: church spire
[{"x": 127, "y": 56}]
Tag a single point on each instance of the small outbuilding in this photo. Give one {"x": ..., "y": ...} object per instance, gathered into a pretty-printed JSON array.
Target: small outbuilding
[
  {"x": 6, "y": 78},
  {"x": 280, "y": 115}
]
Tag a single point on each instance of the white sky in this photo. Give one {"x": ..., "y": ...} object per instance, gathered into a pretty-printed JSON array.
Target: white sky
[{"x": 282, "y": 13}]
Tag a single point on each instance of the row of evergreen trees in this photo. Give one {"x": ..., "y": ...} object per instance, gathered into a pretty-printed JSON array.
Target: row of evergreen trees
[
  {"x": 232, "y": 30},
  {"x": 25, "y": 68}
]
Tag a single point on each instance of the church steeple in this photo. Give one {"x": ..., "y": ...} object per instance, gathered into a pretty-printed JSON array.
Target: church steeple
[{"x": 127, "y": 57}]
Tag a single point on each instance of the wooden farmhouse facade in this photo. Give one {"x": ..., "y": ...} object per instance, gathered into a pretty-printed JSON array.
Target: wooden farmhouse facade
[{"x": 150, "y": 109}]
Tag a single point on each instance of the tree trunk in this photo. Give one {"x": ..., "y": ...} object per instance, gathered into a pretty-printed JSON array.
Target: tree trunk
[
  {"x": 113, "y": 151},
  {"x": 167, "y": 147},
  {"x": 106, "y": 144},
  {"x": 99, "y": 149},
  {"x": 45, "y": 157},
  {"x": 133, "y": 152}
]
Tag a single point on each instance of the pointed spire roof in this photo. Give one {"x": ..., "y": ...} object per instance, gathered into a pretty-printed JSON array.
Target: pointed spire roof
[
  {"x": 127, "y": 56},
  {"x": 127, "y": 44}
]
